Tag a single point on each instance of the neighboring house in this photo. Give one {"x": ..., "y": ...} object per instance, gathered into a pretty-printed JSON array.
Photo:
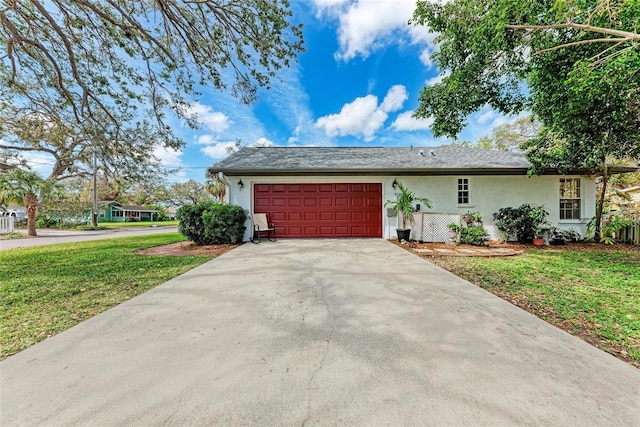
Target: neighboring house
[
  {"x": 341, "y": 192},
  {"x": 621, "y": 203},
  {"x": 633, "y": 193},
  {"x": 110, "y": 211}
]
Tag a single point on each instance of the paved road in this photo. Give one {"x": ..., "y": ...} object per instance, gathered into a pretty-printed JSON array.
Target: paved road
[
  {"x": 317, "y": 332},
  {"x": 49, "y": 237}
]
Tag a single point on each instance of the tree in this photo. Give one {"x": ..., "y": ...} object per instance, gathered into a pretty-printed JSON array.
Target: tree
[
  {"x": 86, "y": 70},
  {"x": 26, "y": 188},
  {"x": 187, "y": 193},
  {"x": 507, "y": 136},
  {"x": 577, "y": 59}
]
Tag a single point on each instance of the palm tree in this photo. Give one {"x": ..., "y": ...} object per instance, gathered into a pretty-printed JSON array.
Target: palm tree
[
  {"x": 216, "y": 188},
  {"x": 25, "y": 188}
]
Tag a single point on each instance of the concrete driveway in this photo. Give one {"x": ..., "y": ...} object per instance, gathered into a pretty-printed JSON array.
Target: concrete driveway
[{"x": 317, "y": 332}]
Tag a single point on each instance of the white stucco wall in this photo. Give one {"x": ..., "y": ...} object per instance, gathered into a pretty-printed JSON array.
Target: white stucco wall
[{"x": 487, "y": 195}]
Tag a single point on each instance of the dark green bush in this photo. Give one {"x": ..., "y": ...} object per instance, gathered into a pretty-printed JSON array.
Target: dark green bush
[
  {"x": 473, "y": 235},
  {"x": 191, "y": 224},
  {"x": 224, "y": 224},
  {"x": 209, "y": 223},
  {"x": 521, "y": 222}
]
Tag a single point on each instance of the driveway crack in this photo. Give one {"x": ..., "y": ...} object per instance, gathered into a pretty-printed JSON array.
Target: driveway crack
[{"x": 320, "y": 290}]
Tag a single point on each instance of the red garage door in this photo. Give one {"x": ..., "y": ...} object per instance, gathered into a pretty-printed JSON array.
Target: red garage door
[{"x": 321, "y": 210}]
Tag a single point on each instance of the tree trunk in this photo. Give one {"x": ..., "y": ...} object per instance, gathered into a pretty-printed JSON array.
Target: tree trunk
[
  {"x": 31, "y": 205},
  {"x": 600, "y": 203}
]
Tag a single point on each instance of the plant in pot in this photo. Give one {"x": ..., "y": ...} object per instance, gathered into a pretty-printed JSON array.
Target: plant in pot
[
  {"x": 454, "y": 231},
  {"x": 404, "y": 205},
  {"x": 538, "y": 240},
  {"x": 473, "y": 219}
]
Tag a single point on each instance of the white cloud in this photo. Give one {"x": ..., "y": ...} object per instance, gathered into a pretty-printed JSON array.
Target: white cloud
[
  {"x": 367, "y": 25},
  {"x": 167, "y": 156},
  {"x": 263, "y": 142},
  {"x": 206, "y": 139},
  {"x": 486, "y": 115},
  {"x": 215, "y": 121},
  {"x": 40, "y": 162},
  {"x": 218, "y": 150},
  {"x": 363, "y": 116},
  {"x": 394, "y": 99},
  {"x": 437, "y": 79},
  {"x": 405, "y": 122},
  {"x": 482, "y": 123}
]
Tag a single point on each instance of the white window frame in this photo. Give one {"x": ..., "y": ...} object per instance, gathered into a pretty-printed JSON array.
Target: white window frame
[{"x": 571, "y": 195}]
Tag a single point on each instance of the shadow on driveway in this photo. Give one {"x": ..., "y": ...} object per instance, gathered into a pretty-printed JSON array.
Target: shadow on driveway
[{"x": 317, "y": 332}]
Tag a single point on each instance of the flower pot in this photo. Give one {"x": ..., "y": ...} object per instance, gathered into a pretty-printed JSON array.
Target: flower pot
[
  {"x": 538, "y": 241},
  {"x": 404, "y": 235}
]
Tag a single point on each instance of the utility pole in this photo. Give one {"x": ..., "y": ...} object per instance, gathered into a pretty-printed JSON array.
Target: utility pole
[{"x": 95, "y": 189}]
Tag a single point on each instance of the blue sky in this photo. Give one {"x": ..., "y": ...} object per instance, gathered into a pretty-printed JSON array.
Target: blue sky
[{"x": 357, "y": 84}]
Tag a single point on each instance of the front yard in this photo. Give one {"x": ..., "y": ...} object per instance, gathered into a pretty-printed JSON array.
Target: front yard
[
  {"x": 592, "y": 291},
  {"x": 47, "y": 289}
]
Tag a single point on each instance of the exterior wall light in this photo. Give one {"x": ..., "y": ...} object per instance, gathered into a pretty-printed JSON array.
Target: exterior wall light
[
  {"x": 240, "y": 184},
  {"x": 395, "y": 184}
]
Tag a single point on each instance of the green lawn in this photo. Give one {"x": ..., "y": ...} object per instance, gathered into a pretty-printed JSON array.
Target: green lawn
[
  {"x": 47, "y": 289},
  {"x": 137, "y": 224},
  {"x": 593, "y": 292}
]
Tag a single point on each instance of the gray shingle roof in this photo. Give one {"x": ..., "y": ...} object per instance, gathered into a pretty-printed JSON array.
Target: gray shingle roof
[{"x": 369, "y": 160}]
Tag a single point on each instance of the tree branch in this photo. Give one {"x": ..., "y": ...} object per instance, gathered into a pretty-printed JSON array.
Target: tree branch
[{"x": 630, "y": 36}]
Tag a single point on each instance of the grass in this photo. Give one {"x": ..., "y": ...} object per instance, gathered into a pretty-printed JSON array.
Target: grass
[
  {"x": 136, "y": 224},
  {"x": 593, "y": 293},
  {"x": 47, "y": 289},
  {"x": 9, "y": 236}
]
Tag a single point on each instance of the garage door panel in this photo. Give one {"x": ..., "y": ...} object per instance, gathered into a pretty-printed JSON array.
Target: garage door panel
[
  {"x": 342, "y": 202},
  {"x": 310, "y": 230},
  {"x": 342, "y": 231},
  {"x": 322, "y": 210}
]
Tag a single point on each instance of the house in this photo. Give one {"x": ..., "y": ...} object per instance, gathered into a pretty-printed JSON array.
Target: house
[
  {"x": 111, "y": 211},
  {"x": 340, "y": 192},
  {"x": 626, "y": 200}
]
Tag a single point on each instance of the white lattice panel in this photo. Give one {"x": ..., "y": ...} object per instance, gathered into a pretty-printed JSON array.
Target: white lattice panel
[{"x": 434, "y": 226}]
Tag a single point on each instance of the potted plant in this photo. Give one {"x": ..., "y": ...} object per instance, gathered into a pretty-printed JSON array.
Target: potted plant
[
  {"x": 454, "y": 231},
  {"x": 538, "y": 240},
  {"x": 405, "y": 206},
  {"x": 473, "y": 219}
]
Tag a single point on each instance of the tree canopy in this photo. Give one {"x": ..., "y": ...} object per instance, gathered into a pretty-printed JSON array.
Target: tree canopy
[
  {"x": 107, "y": 72},
  {"x": 573, "y": 63}
]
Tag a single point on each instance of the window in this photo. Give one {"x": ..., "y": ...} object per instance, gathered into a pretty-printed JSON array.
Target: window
[
  {"x": 570, "y": 206},
  {"x": 463, "y": 191},
  {"x": 116, "y": 213}
]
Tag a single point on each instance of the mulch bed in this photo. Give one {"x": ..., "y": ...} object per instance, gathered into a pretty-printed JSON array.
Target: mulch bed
[{"x": 186, "y": 248}]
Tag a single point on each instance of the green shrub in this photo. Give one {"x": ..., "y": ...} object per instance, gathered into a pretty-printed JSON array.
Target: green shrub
[
  {"x": 224, "y": 224},
  {"x": 521, "y": 222},
  {"x": 473, "y": 235},
  {"x": 191, "y": 224},
  {"x": 46, "y": 221},
  {"x": 209, "y": 223}
]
